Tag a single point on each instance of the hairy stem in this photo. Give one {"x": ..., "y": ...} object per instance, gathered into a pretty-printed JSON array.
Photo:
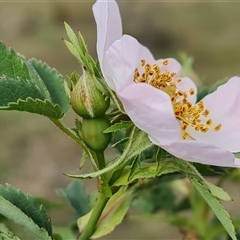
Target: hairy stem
[{"x": 68, "y": 131}]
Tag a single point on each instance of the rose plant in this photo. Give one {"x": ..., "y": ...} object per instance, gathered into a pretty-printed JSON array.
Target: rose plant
[{"x": 166, "y": 139}]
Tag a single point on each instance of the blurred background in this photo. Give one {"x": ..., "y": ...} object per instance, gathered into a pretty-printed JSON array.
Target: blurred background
[{"x": 33, "y": 153}]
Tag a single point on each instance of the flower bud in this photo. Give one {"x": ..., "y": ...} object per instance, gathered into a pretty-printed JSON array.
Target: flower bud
[
  {"x": 92, "y": 133},
  {"x": 87, "y": 100}
]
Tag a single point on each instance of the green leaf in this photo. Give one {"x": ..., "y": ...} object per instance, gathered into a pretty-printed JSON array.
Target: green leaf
[
  {"x": 73, "y": 50},
  {"x": 190, "y": 171},
  {"x": 9, "y": 100},
  {"x": 35, "y": 78},
  {"x": 220, "y": 212},
  {"x": 217, "y": 84},
  {"x": 72, "y": 36},
  {"x": 205, "y": 91},
  {"x": 218, "y": 192},
  {"x": 78, "y": 48},
  {"x": 83, "y": 159},
  {"x": 17, "y": 67},
  {"x": 11, "y": 65},
  {"x": 112, "y": 215},
  {"x": 5, "y": 234},
  {"x": 114, "y": 97},
  {"x": 136, "y": 164},
  {"x": 31, "y": 86},
  {"x": 11, "y": 90},
  {"x": 147, "y": 171},
  {"x": 202, "y": 93},
  {"x": 77, "y": 196},
  {"x": 119, "y": 126},
  {"x": 35, "y": 106},
  {"x": 138, "y": 142},
  {"x": 54, "y": 82},
  {"x": 158, "y": 157},
  {"x": 120, "y": 142},
  {"x": 25, "y": 211},
  {"x": 210, "y": 194}
]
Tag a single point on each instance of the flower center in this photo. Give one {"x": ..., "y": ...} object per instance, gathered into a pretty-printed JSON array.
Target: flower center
[{"x": 188, "y": 114}]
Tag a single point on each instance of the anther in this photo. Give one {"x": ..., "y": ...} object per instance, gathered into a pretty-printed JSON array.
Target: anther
[
  {"x": 218, "y": 127},
  {"x": 143, "y": 62},
  {"x": 209, "y": 122},
  {"x": 206, "y": 113},
  {"x": 191, "y": 91},
  {"x": 165, "y": 62},
  {"x": 187, "y": 113}
]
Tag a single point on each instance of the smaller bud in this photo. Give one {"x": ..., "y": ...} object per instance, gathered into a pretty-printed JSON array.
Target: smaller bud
[
  {"x": 92, "y": 133},
  {"x": 87, "y": 100}
]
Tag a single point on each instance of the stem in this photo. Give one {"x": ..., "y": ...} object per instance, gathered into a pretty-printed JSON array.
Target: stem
[
  {"x": 102, "y": 199},
  {"x": 93, "y": 220},
  {"x": 68, "y": 131},
  {"x": 101, "y": 159}
]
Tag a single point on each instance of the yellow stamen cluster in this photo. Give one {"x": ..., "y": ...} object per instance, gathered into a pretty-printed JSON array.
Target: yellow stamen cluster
[{"x": 187, "y": 113}]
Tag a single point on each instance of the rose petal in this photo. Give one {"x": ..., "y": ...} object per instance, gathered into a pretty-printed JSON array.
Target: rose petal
[
  {"x": 185, "y": 85},
  {"x": 120, "y": 62},
  {"x": 109, "y": 25},
  {"x": 151, "y": 110},
  {"x": 224, "y": 106},
  {"x": 146, "y": 54},
  {"x": 237, "y": 162},
  {"x": 173, "y": 66},
  {"x": 201, "y": 152}
]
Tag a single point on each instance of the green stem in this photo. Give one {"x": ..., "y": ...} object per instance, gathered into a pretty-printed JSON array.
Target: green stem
[
  {"x": 68, "y": 131},
  {"x": 102, "y": 199},
  {"x": 76, "y": 138},
  {"x": 101, "y": 159},
  {"x": 93, "y": 220}
]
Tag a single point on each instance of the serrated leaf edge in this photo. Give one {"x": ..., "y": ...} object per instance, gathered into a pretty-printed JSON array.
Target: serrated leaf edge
[{"x": 24, "y": 221}]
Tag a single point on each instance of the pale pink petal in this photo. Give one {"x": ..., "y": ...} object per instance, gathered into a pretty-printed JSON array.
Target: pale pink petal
[
  {"x": 201, "y": 152},
  {"x": 173, "y": 66},
  {"x": 109, "y": 25},
  {"x": 185, "y": 85},
  {"x": 146, "y": 54},
  {"x": 151, "y": 110},
  {"x": 237, "y": 162},
  {"x": 224, "y": 106},
  {"x": 120, "y": 62}
]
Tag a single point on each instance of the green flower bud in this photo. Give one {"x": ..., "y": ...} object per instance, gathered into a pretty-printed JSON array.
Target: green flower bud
[
  {"x": 87, "y": 100},
  {"x": 92, "y": 133}
]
